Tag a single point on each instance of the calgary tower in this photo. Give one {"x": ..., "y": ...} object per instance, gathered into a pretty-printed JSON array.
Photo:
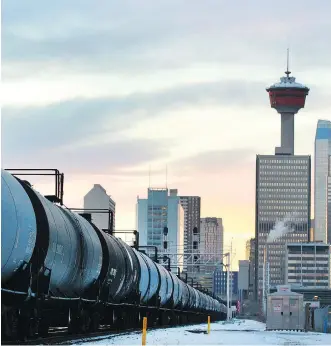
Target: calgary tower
[{"x": 287, "y": 97}]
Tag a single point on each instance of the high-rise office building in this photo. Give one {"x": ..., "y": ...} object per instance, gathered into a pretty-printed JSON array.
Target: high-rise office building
[
  {"x": 308, "y": 265},
  {"x": 97, "y": 198},
  {"x": 322, "y": 153},
  {"x": 192, "y": 207},
  {"x": 282, "y": 187},
  {"x": 328, "y": 212},
  {"x": 283, "y": 193},
  {"x": 211, "y": 249},
  {"x": 159, "y": 211}
]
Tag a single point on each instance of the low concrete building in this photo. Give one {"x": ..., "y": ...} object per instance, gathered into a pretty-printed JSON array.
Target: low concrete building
[{"x": 285, "y": 311}]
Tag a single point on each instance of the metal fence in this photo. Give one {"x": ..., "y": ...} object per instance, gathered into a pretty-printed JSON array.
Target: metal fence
[{"x": 322, "y": 319}]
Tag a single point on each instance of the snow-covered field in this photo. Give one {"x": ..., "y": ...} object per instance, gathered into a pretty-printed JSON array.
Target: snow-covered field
[{"x": 236, "y": 332}]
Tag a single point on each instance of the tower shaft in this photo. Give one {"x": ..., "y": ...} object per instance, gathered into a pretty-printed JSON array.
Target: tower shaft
[{"x": 287, "y": 133}]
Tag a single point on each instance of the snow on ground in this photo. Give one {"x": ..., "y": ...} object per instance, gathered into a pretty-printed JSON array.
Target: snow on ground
[{"x": 235, "y": 332}]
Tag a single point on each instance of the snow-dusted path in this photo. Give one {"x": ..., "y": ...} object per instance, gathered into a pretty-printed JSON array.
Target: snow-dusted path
[{"x": 236, "y": 332}]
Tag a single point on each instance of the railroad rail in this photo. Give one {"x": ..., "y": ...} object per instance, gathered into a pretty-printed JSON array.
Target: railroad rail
[{"x": 60, "y": 336}]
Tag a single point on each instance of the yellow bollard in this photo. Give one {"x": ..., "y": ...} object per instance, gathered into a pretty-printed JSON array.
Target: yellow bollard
[
  {"x": 208, "y": 325},
  {"x": 144, "y": 331}
]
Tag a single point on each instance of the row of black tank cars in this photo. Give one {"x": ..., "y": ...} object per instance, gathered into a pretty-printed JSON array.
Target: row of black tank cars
[{"x": 59, "y": 270}]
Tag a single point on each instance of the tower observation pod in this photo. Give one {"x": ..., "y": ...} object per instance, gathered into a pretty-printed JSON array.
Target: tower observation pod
[{"x": 287, "y": 97}]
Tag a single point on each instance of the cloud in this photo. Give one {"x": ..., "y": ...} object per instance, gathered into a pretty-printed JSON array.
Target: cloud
[
  {"x": 215, "y": 161},
  {"x": 67, "y": 122},
  {"x": 87, "y": 123},
  {"x": 106, "y": 159},
  {"x": 87, "y": 133},
  {"x": 131, "y": 38}
]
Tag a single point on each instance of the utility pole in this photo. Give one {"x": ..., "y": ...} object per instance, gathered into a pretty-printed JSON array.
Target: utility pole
[
  {"x": 266, "y": 281},
  {"x": 228, "y": 288},
  {"x": 231, "y": 277}
]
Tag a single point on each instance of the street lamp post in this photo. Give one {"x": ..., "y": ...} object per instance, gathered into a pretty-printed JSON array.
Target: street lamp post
[
  {"x": 228, "y": 304},
  {"x": 228, "y": 289}
]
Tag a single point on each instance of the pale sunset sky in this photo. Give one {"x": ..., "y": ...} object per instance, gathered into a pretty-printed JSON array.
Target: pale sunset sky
[{"x": 104, "y": 89}]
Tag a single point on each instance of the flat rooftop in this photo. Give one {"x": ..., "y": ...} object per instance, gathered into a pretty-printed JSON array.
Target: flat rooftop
[{"x": 308, "y": 244}]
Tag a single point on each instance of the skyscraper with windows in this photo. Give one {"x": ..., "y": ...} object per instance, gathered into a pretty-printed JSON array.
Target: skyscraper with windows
[
  {"x": 282, "y": 194},
  {"x": 210, "y": 249},
  {"x": 192, "y": 207},
  {"x": 328, "y": 223},
  {"x": 161, "y": 209},
  {"x": 321, "y": 166}
]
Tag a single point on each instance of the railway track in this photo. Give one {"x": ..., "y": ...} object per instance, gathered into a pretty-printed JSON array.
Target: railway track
[{"x": 61, "y": 337}]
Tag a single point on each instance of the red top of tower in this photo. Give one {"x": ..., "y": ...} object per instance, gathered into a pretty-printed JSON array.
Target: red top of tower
[{"x": 287, "y": 96}]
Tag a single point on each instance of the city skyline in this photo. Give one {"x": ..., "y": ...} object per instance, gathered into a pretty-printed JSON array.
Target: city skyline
[{"x": 125, "y": 89}]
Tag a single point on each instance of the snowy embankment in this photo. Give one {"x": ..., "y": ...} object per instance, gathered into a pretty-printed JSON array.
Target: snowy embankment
[{"x": 236, "y": 332}]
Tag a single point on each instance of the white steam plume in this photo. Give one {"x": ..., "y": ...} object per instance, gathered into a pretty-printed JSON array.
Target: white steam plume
[{"x": 282, "y": 227}]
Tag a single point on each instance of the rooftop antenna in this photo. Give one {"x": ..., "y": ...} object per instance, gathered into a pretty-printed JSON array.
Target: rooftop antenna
[{"x": 287, "y": 72}]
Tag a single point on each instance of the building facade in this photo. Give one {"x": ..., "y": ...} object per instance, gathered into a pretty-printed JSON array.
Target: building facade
[
  {"x": 211, "y": 250},
  {"x": 251, "y": 289},
  {"x": 192, "y": 209},
  {"x": 308, "y": 265},
  {"x": 283, "y": 184},
  {"x": 243, "y": 279},
  {"x": 328, "y": 212},
  {"x": 97, "y": 198},
  {"x": 161, "y": 209},
  {"x": 321, "y": 166},
  {"x": 176, "y": 221},
  {"x": 220, "y": 283},
  {"x": 248, "y": 249},
  {"x": 142, "y": 219}
]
